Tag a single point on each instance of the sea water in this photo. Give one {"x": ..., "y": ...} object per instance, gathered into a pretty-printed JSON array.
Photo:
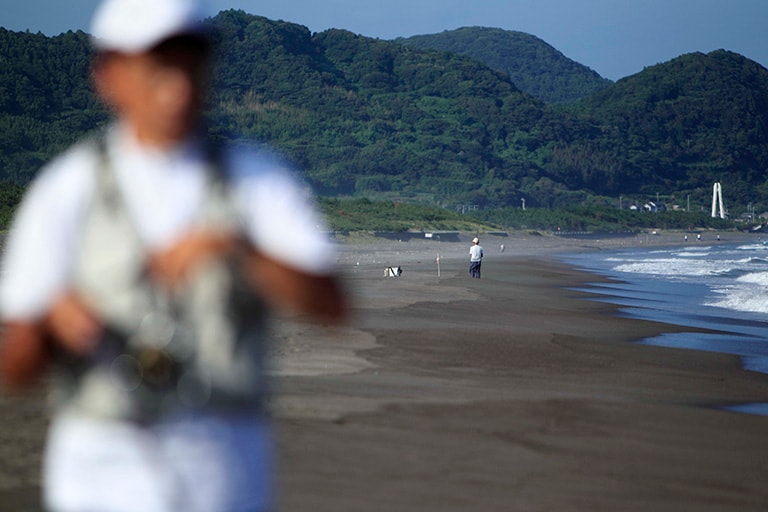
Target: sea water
[{"x": 719, "y": 287}]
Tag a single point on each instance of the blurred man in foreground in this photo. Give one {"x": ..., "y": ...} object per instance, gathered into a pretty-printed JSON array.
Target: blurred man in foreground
[{"x": 140, "y": 268}]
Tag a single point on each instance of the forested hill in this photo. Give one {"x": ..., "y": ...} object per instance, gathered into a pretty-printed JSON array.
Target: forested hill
[
  {"x": 687, "y": 123},
  {"x": 366, "y": 116},
  {"x": 45, "y": 98},
  {"x": 374, "y": 118},
  {"x": 533, "y": 65}
]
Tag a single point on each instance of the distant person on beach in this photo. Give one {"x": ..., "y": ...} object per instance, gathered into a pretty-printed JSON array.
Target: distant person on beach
[
  {"x": 475, "y": 258},
  {"x": 141, "y": 268}
]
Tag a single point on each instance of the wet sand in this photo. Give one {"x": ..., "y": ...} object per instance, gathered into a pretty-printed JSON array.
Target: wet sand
[{"x": 512, "y": 392}]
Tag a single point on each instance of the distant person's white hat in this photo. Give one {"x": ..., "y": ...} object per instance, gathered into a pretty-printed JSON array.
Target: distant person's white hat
[
  {"x": 475, "y": 240},
  {"x": 135, "y": 26}
]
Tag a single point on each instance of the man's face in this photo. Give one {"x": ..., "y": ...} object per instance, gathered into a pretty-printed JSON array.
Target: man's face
[{"x": 159, "y": 92}]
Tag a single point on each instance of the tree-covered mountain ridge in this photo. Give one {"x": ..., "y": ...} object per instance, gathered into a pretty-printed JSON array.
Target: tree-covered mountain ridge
[
  {"x": 371, "y": 118},
  {"x": 532, "y": 64},
  {"x": 690, "y": 122}
]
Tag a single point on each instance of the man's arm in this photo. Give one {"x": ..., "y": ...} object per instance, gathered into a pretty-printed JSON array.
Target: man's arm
[
  {"x": 281, "y": 286},
  {"x": 317, "y": 295},
  {"x": 24, "y": 354},
  {"x": 26, "y": 345}
]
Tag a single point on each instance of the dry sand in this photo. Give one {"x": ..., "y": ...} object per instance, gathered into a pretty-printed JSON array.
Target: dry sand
[{"x": 511, "y": 392}]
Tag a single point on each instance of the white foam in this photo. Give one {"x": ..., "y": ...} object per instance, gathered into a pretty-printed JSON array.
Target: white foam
[
  {"x": 674, "y": 267},
  {"x": 692, "y": 254},
  {"x": 741, "y": 298},
  {"x": 760, "y": 278},
  {"x": 745, "y": 293},
  {"x": 734, "y": 277}
]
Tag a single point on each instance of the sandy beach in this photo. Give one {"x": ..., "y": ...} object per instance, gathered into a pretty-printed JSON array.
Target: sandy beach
[{"x": 512, "y": 392}]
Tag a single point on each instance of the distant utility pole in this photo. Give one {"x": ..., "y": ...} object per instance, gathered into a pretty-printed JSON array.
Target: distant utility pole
[{"x": 717, "y": 200}]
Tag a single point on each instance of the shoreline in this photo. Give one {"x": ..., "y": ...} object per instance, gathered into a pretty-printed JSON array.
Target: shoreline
[{"x": 365, "y": 258}]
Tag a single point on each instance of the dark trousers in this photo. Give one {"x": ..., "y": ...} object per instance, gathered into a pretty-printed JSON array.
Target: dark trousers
[{"x": 474, "y": 269}]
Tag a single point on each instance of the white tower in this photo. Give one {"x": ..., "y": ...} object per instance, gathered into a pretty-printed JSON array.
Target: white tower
[{"x": 717, "y": 200}]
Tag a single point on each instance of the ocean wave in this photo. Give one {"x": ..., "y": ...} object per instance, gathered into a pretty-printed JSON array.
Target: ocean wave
[
  {"x": 742, "y": 299},
  {"x": 745, "y": 293},
  {"x": 668, "y": 267},
  {"x": 752, "y": 247},
  {"x": 759, "y": 278}
]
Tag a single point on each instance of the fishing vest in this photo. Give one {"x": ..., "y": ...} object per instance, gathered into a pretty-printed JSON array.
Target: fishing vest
[{"x": 201, "y": 344}]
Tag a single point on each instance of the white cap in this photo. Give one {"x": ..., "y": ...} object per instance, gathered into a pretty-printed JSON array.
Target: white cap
[{"x": 135, "y": 26}]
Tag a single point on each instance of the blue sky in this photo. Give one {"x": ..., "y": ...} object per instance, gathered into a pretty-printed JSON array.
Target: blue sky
[{"x": 616, "y": 38}]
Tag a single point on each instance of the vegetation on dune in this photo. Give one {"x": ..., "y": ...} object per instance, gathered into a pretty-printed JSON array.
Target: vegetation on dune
[
  {"x": 366, "y": 215},
  {"x": 599, "y": 219},
  {"x": 392, "y": 216}
]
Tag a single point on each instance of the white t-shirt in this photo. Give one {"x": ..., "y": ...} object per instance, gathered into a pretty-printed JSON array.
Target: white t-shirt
[
  {"x": 475, "y": 253},
  {"x": 163, "y": 190},
  {"x": 208, "y": 461}
]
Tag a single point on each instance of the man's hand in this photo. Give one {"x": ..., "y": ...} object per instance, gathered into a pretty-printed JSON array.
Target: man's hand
[
  {"x": 25, "y": 348},
  {"x": 71, "y": 324},
  {"x": 174, "y": 264}
]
